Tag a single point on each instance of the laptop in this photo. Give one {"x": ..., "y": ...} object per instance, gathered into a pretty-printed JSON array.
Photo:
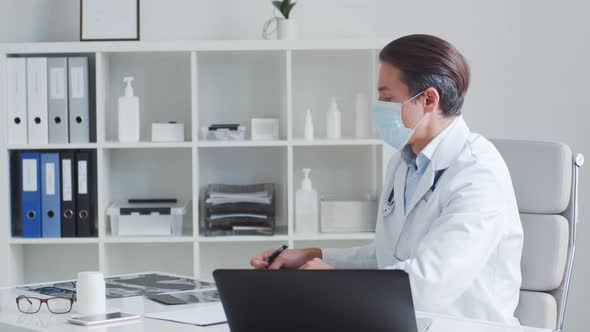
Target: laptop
[{"x": 328, "y": 300}]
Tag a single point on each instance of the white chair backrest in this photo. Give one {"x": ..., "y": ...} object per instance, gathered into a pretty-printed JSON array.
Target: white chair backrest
[{"x": 544, "y": 176}]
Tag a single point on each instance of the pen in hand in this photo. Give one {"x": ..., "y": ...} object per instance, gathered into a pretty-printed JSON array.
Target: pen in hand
[{"x": 275, "y": 254}]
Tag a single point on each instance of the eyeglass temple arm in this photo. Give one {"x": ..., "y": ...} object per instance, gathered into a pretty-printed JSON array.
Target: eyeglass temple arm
[{"x": 23, "y": 297}]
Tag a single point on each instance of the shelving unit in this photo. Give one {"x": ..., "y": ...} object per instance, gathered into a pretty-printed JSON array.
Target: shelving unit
[{"x": 198, "y": 83}]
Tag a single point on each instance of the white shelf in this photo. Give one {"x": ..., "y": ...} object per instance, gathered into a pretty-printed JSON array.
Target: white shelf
[
  {"x": 261, "y": 238},
  {"x": 72, "y": 240},
  {"x": 202, "y": 239},
  {"x": 333, "y": 236},
  {"x": 148, "y": 239},
  {"x": 337, "y": 142},
  {"x": 146, "y": 145},
  {"x": 247, "y": 143},
  {"x": 86, "y": 146},
  {"x": 190, "y": 45},
  {"x": 199, "y": 83}
]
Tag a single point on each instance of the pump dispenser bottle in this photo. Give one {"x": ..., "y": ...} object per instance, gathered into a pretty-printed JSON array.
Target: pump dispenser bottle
[
  {"x": 306, "y": 206},
  {"x": 334, "y": 121},
  {"x": 129, "y": 121},
  {"x": 308, "y": 130}
]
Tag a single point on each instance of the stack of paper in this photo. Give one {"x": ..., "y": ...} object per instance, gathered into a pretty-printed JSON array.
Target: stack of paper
[
  {"x": 201, "y": 315},
  {"x": 240, "y": 210}
]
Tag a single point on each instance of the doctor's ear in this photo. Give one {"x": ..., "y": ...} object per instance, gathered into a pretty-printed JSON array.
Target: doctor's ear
[{"x": 431, "y": 99}]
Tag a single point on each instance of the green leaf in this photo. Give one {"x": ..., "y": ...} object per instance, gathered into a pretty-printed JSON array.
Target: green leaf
[
  {"x": 284, "y": 7},
  {"x": 278, "y": 5},
  {"x": 288, "y": 7}
]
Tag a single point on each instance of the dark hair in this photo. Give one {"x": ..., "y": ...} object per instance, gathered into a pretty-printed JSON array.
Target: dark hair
[{"x": 428, "y": 61}]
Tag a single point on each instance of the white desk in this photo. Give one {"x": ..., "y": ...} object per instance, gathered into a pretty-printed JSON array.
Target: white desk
[{"x": 11, "y": 320}]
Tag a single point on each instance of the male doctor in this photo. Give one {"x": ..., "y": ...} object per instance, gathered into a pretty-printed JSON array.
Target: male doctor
[{"x": 448, "y": 213}]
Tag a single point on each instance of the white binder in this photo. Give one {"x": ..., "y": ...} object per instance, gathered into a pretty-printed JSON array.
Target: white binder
[
  {"x": 37, "y": 101},
  {"x": 79, "y": 101},
  {"x": 57, "y": 79},
  {"x": 16, "y": 88}
]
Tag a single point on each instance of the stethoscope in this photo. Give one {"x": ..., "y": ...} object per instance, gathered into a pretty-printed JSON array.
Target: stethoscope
[{"x": 390, "y": 205}]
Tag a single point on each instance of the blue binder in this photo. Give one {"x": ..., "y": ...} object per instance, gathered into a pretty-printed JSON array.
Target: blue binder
[
  {"x": 50, "y": 195},
  {"x": 30, "y": 194}
]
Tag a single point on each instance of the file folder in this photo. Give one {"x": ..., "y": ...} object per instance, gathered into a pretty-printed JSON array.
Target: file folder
[
  {"x": 57, "y": 79},
  {"x": 37, "y": 129},
  {"x": 84, "y": 217},
  {"x": 68, "y": 194},
  {"x": 50, "y": 195},
  {"x": 79, "y": 101},
  {"x": 30, "y": 194},
  {"x": 16, "y": 88}
]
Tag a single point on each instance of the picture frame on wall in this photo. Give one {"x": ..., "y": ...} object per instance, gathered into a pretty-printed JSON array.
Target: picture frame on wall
[{"x": 109, "y": 20}]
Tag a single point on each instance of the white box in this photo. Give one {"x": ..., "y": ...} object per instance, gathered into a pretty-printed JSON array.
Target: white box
[
  {"x": 347, "y": 216},
  {"x": 146, "y": 219},
  {"x": 168, "y": 132},
  {"x": 265, "y": 129}
]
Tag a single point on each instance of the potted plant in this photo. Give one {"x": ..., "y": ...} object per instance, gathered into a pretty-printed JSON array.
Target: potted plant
[{"x": 286, "y": 26}]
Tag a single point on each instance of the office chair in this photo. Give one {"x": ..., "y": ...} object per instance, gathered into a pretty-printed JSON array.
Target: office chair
[{"x": 545, "y": 179}]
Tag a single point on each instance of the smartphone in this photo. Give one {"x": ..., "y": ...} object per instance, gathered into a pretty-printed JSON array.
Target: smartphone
[
  {"x": 166, "y": 299},
  {"x": 112, "y": 317}
]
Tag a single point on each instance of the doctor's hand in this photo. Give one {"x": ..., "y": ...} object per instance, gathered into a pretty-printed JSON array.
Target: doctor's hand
[
  {"x": 288, "y": 259},
  {"x": 316, "y": 264}
]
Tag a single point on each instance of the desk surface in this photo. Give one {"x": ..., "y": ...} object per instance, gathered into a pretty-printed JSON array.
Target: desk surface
[{"x": 11, "y": 320}]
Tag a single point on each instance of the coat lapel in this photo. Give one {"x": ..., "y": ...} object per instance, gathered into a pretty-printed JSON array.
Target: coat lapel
[
  {"x": 422, "y": 187},
  {"x": 399, "y": 186},
  {"x": 446, "y": 152}
]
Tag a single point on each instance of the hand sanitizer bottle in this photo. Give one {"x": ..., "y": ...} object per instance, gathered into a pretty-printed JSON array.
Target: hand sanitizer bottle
[
  {"x": 308, "y": 126},
  {"x": 306, "y": 206},
  {"x": 334, "y": 121},
  {"x": 129, "y": 122}
]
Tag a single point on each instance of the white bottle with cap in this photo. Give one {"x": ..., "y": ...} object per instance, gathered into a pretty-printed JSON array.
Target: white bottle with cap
[
  {"x": 306, "y": 206},
  {"x": 308, "y": 131},
  {"x": 129, "y": 120},
  {"x": 334, "y": 121},
  {"x": 362, "y": 123}
]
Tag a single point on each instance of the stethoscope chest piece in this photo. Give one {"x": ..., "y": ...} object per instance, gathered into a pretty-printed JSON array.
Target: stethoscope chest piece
[
  {"x": 388, "y": 209},
  {"x": 390, "y": 205}
]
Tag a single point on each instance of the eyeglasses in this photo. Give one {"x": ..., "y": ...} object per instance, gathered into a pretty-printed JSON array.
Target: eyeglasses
[{"x": 56, "y": 305}]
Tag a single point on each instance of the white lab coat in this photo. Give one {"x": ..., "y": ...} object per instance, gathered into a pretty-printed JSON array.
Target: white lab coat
[{"x": 460, "y": 244}]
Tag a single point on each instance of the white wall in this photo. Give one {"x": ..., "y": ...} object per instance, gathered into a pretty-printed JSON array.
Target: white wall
[{"x": 530, "y": 60}]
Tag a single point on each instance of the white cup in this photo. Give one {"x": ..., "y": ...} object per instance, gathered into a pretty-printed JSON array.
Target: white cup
[{"x": 91, "y": 293}]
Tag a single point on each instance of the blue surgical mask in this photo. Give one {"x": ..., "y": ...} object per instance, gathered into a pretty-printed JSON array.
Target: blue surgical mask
[{"x": 387, "y": 119}]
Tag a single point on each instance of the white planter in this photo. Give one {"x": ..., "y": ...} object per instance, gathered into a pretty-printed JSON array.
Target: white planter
[{"x": 286, "y": 29}]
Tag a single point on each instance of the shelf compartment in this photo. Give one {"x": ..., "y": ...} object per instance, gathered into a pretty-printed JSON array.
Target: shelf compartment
[
  {"x": 341, "y": 171},
  {"x": 236, "y": 166},
  {"x": 320, "y": 75},
  {"x": 162, "y": 83},
  {"x": 124, "y": 258},
  {"x": 235, "y": 87},
  {"x": 47, "y": 261},
  {"x": 15, "y": 197},
  {"x": 148, "y": 173}
]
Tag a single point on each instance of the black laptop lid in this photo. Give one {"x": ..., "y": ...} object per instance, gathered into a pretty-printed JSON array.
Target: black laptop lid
[{"x": 307, "y": 301}]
